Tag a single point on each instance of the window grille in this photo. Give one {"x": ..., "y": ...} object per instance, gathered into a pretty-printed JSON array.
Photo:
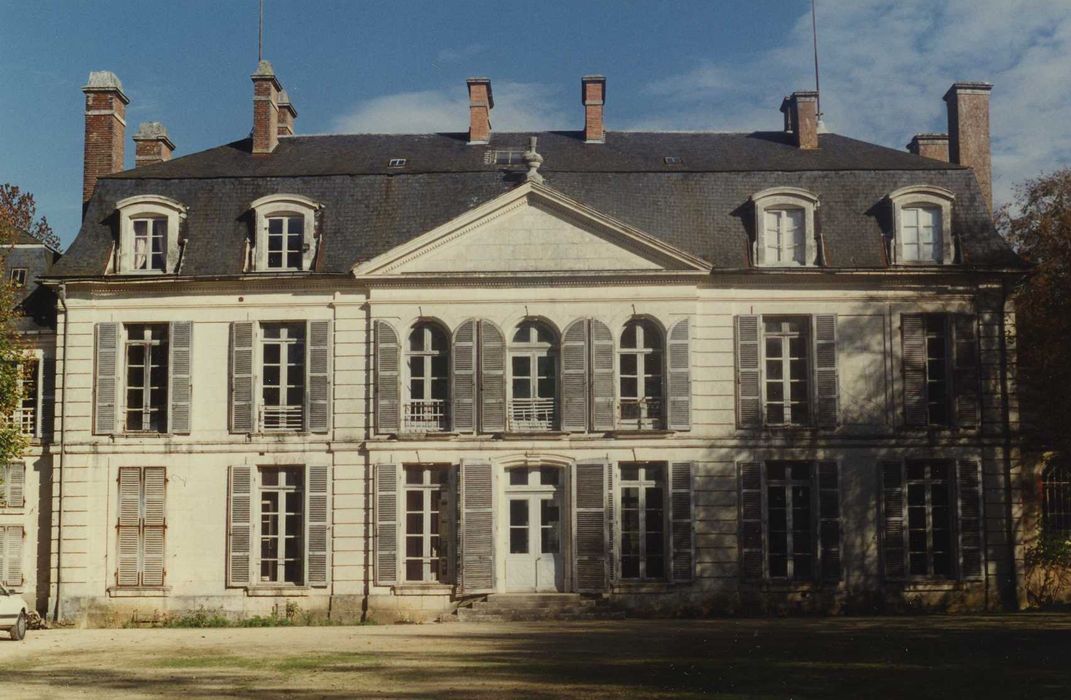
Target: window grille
[{"x": 1056, "y": 502}]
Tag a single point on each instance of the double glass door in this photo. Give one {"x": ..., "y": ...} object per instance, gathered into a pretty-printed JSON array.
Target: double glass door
[{"x": 533, "y": 516}]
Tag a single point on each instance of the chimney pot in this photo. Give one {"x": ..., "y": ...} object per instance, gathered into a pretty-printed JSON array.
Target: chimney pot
[
  {"x": 593, "y": 96},
  {"x": 930, "y": 146},
  {"x": 152, "y": 144},
  {"x": 801, "y": 118},
  {"x": 105, "y": 116},
  {"x": 266, "y": 89},
  {"x": 481, "y": 102},
  {"x": 968, "y": 132}
]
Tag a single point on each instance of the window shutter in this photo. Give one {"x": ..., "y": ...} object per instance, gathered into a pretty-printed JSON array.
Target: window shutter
[
  {"x": 752, "y": 557},
  {"x": 180, "y": 347},
  {"x": 894, "y": 551},
  {"x": 477, "y": 573},
  {"x": 388, "y": 365},
  {"x": 682, "y": 530},
  {"x": 463, "y": 378},
  {"x": 14, "y": 486},
  {"x": 748, "y": 377},
  {"x": 611, "y": 542},
  {"x": 679, "y": 413},
  {"x": 386, "y": 524},
  {"x": 129, "y": 527},
  {"x": 492, "y": 379},
  {"x": 316, "y": 524},
  {"x": 240, "y": 526},
  {"x": 154, "y": 527},
  {"x": 242, "y": 400},
  {"x": 38, "y": 414},
  {"x": 825, "y": 370},
  {"x": 914, "y": 351},
  {"x": 590, "y": 534},
  {"x": 107, "y": 380},
  {"x": 11, "y": 556},
  {"x": 46, "y": 424},
  {"x": 969, "y": 493},
  {"x": 602, "y": 380},
  {"x": 829, "y": 520},
  {"x": 318, "y": 376},
  {"x": 574, "y": 399},
  {"x": 965, "y": 378}
]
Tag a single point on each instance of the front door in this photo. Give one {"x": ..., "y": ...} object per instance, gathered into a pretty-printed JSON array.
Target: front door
[{"x": 533, "y": 520}]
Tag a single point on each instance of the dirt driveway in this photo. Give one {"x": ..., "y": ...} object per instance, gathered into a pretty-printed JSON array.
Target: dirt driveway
[{"x": 949, "y": 657}]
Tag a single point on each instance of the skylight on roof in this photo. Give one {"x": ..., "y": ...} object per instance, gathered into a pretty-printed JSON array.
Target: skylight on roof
[
  {"x": 673, "y": 160},
  {"x": 508, "y": 156},
  {"x": 396, "y": 163}
]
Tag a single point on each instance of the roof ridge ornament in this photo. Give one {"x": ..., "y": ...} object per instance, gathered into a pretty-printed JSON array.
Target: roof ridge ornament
[{"x": 533, "y": 160}]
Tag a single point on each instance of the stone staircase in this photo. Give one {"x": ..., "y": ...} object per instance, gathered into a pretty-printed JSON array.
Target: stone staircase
[{"x": 515, "y": 607}]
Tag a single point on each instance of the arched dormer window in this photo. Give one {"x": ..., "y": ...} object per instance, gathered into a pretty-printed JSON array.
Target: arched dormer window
[
  {"x": 148, "y": 235},
  {"x": 784, "y": 228},
  {"x": 428, "y": 361},
  {"x": 922, "y": 226},
  {"x": 533, "y": 356},
  {"x": 285, "y": 227}
]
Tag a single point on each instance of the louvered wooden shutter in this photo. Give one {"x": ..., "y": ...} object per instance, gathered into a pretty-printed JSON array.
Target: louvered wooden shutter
[
  {"x": 829, "y": 520},
  {"x": 603, "y": 396},
  {"x": 914, "y": 352},
  {"x": 965, "y": 377},
  {"x": 682, "y": 530},
  {"x": 388, "y": 365},
  {"x": 574, "y": 355},
  {"x": 679, "y": 394},
  {"x": 477, "y": 528},
  {"x": 39, "y": 399},
  {"x": 492, "y": 379},
  {"x": 129, "y": 526},
  {"x": 752, "y": 537},
  {"x": 154, "y": 527},
  {"x": 180, "y": 348},
  {"x": 318, "y": 376},
  {"x": 387, "y": 524},
  {"x": 611, "y": 525},
  {"x": 240, "y": 526},
  {"x": 11, "y": 556},
  {"x": 3, "y": 556},
  {"x": 825, "y": 370},
  {"x": 590, "y": 534},
  {"x": 316, "y": 524},
  {"x": 893, "y": 546},
  {"x": 46, "y": 425},
  {"x": 14, "y": 486},
  {"x": 748, "y": 376},
  {"x": 107, "y": 381},
  {"x": 971, "y": 522},
  {"x": 463, "y": 378},
  {"x": 242, "y": 399}
]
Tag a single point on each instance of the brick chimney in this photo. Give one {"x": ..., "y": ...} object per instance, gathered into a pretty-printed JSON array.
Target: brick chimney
[
  {"x": 593, "y": 95},
  {"x": 266, "y": 90},
  {"x": 481, "y": 102},
  {"x": 287, "y": 115},
  {"x": 801, "y": 118},
  {"x": 105, "y": 129},
  {"x": 968, "y": 132},
  {"x": 151, "y": 144},
  {"x": 930, "y": 146}
]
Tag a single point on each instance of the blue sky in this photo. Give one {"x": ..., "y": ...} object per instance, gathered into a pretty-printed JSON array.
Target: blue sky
[{"x": 400, "y": 66}]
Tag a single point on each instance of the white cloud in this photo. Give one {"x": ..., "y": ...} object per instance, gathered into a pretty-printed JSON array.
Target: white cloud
[{"x": 453, "y": 55}]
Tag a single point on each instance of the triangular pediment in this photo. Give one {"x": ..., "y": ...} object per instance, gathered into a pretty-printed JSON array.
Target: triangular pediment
[{"x": 531, "y": 230}]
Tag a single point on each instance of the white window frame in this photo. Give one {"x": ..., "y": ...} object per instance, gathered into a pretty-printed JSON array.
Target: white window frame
[
  {"x": 533, "y": 350},
  {"x": 290, "y": 205},
  {"x": 260, "y": 341},
  {"x": 148, "y": 206},
  {"x": 445, "y": 510},
  {"x": 125, "y": 344},
  {"x": 18, "y": 277},
  {"x": 786, "y": 377},
  {"x": 922, "y": 196},
  {"x": 425, "y": 413},
  {"x": 650, "y": 409},
  {"x": 776, "y": 198},
  {"x": 36, "y": 357},
  {"x": 618, "y": 510},
  {"x": 258, "y": 489}
]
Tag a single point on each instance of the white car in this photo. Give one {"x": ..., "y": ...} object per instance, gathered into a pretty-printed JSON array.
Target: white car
[{"x": 13, "y": 614}]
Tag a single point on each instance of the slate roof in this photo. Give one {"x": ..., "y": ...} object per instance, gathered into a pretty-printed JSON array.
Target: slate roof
[
  {"x": 699, "y": 205},
  {"x": 33, "y": 301}
]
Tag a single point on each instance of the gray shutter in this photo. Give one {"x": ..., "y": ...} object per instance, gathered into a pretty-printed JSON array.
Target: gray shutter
[
  {"x": 825, "y": 370},
  {"x": 682, "y": 530},
  {"x": 752, "y": 537},
  {"x": 242, "y": 413},
  {"x": 39, "y": 384},
  {"x": 463, "y": 378},
  {"x": 14, "y": 486},
  {"x": 388, "y": 366},
  {"x": 107, "y": 378},
  {"x": 893, "y": 549},
  {"x": 492, "y": 379},
  {"x": 12, "y": 555},
  {"x": 129, "y": 527},
  {"x": 240, "y": 526},
  {"x": 969, "y": 493},
  {"x": 590, "y": 535},
  {"x": 914, "y": 357},
  {"x": 611, "y": 525},
  {"x": 574, "y": 400},
  {"x": 829, "y": 520},
  {"x": 477, "y": 573},
  {"x": 46, "y": 426},
  {"x": 678, "y": 351},
  {"x": 748, "y": 376},
  {"x": 603, "y": 397},
  {"x": 316, "y": 524},
  {"x": 386, "y": 524},
  {"x": 965, "y": 377},
  {"x": 180, "y": 349},
  {"x": 318, "y": 376},
  {"x": 154, "y": 526}
]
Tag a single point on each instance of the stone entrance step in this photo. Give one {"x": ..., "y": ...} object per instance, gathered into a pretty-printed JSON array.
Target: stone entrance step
[{"x": 516, "y": 607}]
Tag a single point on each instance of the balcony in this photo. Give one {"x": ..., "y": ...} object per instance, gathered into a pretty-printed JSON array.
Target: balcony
[
  {"x": 26, "y": 418},
  {"x": 283, "y": 419},
  {"x": 640, "y": 414},
  {"x": 532, "y": 415},
  {"x": 426, "y": 416}
]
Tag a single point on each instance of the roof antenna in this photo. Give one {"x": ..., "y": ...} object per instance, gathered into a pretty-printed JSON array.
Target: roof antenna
[
  {"x": 260, "y": 34},
  {"x": 817, "y": 89}
]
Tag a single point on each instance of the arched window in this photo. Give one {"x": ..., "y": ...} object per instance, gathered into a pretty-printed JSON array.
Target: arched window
[
  {"x": 922, "y": 226},
  {"x": 534, "y": 367},
  {"x": 285, "y": 233},
  {"x": 429, "y": 377},
  {"x": 1056, "y": 501},
  {"x": 148, "y": 235},
  {"x": 640, "y": 363},
  {"x": 784, "y": 227}
]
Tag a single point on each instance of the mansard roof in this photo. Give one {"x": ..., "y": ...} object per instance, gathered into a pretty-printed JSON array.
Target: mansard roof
[{"x": 698, "y": 204}]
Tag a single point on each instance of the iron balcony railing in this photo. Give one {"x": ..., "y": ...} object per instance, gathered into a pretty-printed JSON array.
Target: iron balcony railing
[
  {"x": 283, "y": 418},
  {"x": 426, "y": 416},
  {"x": 530, "y": 415},
  {"x": 640, "y": 414}
]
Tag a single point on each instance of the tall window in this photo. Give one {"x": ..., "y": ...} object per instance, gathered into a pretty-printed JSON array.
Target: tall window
[
  {"x": 643, "y": 521},
  {"x": 786, "y": 377},
  {"x": 641, "y": 375},
  {"x": 150, "y": 244},
  {"x": 791, "y": 545},
  {"x": 785, "y": 236},
  {"x": 929, "y": 518},
  {"x": 920, "y": 234},
  {"x": 1056, "y": 502},
  {"x": 283, "y": 384},
  {"x": 28, "y": 385},
  {"x": 533, "y": 361},
  {"x": 286, "y": 242},
  {"x": 937, "y": 369},
  {"x": 282, "y": 525},
  {"x": 429, "y": 373},
  {"x": 146, "y": 377},
  {"x": 426, "y": 514}
]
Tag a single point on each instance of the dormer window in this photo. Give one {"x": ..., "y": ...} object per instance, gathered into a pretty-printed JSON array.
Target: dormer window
[
  {"x": 784, "y": 228},
  {"x": 149, "y": 235},
  {"x": 150, "y": 244},
  {"x": 285, "y": 239},
  {"x": 286, "y": 242},
  {"x": 922, "y": 226}
]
